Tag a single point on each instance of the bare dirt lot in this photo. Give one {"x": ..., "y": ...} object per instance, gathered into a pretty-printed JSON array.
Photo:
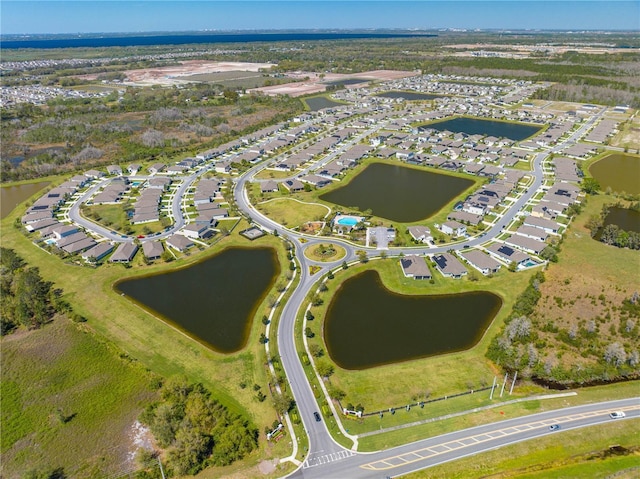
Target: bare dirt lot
[
  {"x": 176, "y": 74},
  {"x": 317, "y": 84}
]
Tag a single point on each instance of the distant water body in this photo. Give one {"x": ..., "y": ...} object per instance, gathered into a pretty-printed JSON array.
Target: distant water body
[{"x": 183, "y": 39}]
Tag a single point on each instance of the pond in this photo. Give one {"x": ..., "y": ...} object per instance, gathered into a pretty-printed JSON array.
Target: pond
[
  {"x": 624, "y": 218},
  {"x": 479, "y": 126},
  {"x": 408, "y": 95},
  {"x": 618, "y": 171},
  {"x": 213, "y": 301},
  {"x": 12, "y": 196},
  {"x": 367, "y": 325},
  {"x": 398, "y": 193},
  {"x": 316, "y": 103}
]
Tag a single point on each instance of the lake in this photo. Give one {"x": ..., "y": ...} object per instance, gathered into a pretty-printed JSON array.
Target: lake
[
  {"x": 398, "y": 193},
  {"x": 213, "y": 301},
  {"x": 407, "y": 95},
  {"x": 367, "y": 325},
  {"x": 12, "y": 196},
  {"x": 618, "y": 171},
  {"x": 316, "y": 103},
  {"x": 479, "y": 126},
  {"x": 120, "y": 40}
]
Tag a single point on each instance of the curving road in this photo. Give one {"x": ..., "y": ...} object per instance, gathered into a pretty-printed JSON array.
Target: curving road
[{"x": 326, "y": 458}]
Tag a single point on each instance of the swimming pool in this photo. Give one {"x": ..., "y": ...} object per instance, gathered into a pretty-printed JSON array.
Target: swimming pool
[
  {"x": 347, "y": 221},
  {"x": 529, "y": 263}
]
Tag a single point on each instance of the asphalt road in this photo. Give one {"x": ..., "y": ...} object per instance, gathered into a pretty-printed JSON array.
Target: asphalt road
[
  {"x": 326, "y": 458},
  {"x": 449, "y": 447}
]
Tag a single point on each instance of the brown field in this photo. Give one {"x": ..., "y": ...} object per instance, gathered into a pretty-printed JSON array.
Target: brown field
[
  {"x": 174, "y": 74},
  {"x": 315, "y": 85}
]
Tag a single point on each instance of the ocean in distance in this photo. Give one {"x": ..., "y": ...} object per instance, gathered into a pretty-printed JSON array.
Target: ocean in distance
[{"x": 89, "y": 41}]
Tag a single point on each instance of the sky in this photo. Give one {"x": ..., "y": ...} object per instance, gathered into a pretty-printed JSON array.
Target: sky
[{"x": 88, "y": 16}]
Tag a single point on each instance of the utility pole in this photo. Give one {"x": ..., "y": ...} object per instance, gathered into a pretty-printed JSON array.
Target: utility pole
[
  {"x": 492, "y": 387},
  {"x": 504, "y": 383},
  {"x": 513, "y": 383},
  {"x": 161, "y": 470}
]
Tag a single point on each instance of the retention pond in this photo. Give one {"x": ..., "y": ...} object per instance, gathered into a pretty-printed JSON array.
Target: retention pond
[
  {"x": 618, "y": 171},
  {"x": 398, "y": 193},
  {"x": 12, "y": 196},
  {"x": 213, "y": 301},
  {"x": 367, "y": 325},
  {"x": 479, "y": 126}
]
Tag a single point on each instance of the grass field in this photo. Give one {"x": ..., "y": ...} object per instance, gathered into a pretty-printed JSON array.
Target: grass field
[
  {"x": 292, "y": 213},
  {"x": 68, "y": 401},
  {"x": 277, "y": 174},
  {"x": 155, "y": 344},
  {"x": 316, "y": 253}
]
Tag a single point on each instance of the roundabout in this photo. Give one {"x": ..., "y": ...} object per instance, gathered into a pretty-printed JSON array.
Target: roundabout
[{"x": 325, "y": 252}]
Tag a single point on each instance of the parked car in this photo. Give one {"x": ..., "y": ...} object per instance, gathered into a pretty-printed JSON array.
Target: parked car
[{"x": 617, "y": 415}]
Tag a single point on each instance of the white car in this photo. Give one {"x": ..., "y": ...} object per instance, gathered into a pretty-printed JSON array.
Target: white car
[{"x": 617, "y": 415}]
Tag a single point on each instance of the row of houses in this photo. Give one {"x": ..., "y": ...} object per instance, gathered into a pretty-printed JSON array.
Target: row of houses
[{"x": 449, "y": 266}]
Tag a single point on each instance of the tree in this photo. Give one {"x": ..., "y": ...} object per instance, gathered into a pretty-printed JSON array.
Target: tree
[
  {"x": 590, "y": 186},
  {"x": 315, "y": 350},
  {"x": 309, "y": 315},
  {"x": 345, "y": 265},
  {"x": 362, "y": 256},
  {"x": 325, "y": 369},
  {"x": 308, "y": 332},
  {"x": 283, "y": 403}
]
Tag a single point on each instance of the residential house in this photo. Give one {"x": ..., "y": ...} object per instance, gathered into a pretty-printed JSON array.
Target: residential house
[
  {"x": 508, "y": 254},
  {"x": 124, "y": 253},
  {"x": 449, "y": 266},
  {"x": 419, "y": 233},
  {"x": 179, "y": 242},
  {"x": 98, "y": 252},
  {"x": 152, "y": 249},
  {"x": 526, "y": 244},
  {"x": 268, "y": 186},
  {"x": 481, "y": 261},
  {"x": 453, "y": 228},
  {"x": 415, "y": 267}
]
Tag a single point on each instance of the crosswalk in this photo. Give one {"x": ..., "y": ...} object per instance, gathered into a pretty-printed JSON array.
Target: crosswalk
[{"x": 320, "y": 459}]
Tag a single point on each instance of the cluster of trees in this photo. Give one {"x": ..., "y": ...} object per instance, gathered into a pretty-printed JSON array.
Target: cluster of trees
[
  {"x": 195, "y": 430},
  {"x": 25, "y": 298},
  {"x": 615, "y": 236}
]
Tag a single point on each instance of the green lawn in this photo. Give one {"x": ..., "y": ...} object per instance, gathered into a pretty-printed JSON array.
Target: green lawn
[
  {"x": 292, "y": 213},
  {"x": 68, "y": 401}
]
